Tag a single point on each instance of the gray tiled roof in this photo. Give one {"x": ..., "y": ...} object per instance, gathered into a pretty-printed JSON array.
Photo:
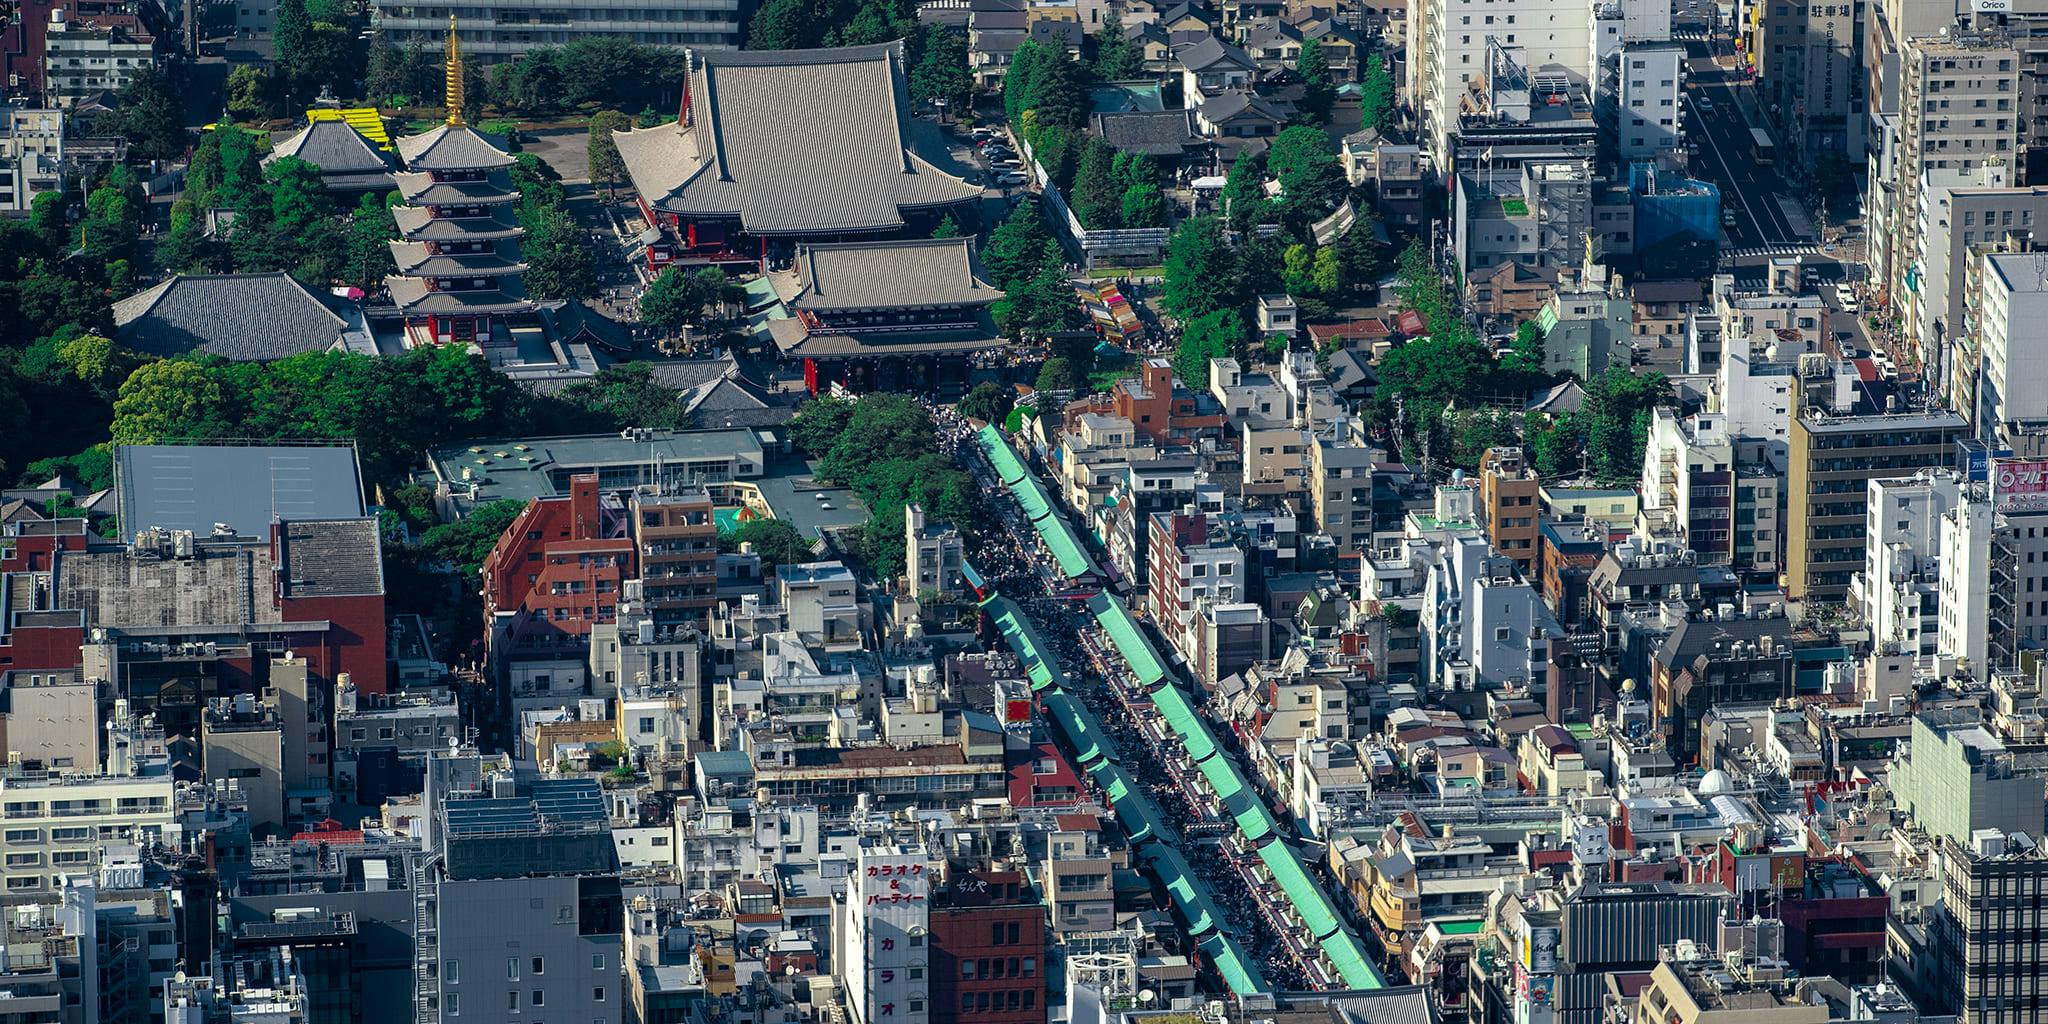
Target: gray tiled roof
[
  {"x": 413, "y": 258},
  {"x": 194, "y": 486},
  {"x": 417, "y": 223},
  {"x": 452, "y": 147},
  {"x": 421, "y": 188},
  {"x": 1153, "y": 133},
  {"x": 334, "y": 147},
  {"x": 793, "y": 340},
  {"x": 414, "y": 297},
  {"x": 797, "y": 142},
  {"x": 1214, "y": 52},
  {"x": 882, "y": 275},
  {"x": 245, "y": 317}
]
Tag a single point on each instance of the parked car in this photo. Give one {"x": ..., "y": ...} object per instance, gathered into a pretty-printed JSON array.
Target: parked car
[{"x": 1012, "y": 179}]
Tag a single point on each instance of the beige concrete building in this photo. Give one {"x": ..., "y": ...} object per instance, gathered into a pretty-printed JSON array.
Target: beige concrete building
[{"x": 1707, "y": 993}]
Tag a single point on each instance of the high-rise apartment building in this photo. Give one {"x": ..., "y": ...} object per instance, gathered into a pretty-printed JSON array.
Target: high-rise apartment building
[
  {"x": 1985, "y": 935},
  {"x": 1508, "y": 505}
]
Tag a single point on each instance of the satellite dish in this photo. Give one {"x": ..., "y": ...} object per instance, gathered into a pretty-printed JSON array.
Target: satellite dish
[{"x": 1147, "y": 996}]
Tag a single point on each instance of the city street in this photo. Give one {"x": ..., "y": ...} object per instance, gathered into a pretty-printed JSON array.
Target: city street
[{"x": 1727, "y": 155}]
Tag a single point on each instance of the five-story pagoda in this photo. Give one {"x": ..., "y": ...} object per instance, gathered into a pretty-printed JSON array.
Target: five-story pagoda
[{"x": 459, "y": 267}]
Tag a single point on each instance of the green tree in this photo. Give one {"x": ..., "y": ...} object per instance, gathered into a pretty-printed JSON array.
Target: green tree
[
  {"x": 1616, "y": 416},
  {"x": 1017, "y": 247},
  {"x": 291, "y": 38},
  {"x": 947, "y": 227},
  {"x": 782, "y": 25},
  {"x": 50, "y": 221},
  {"x": 170, "y": 400},
  {"x": 466, "y": 542},
  {"x": 1301, "y": 159},
  {"x": 149, "y": 115},
  {"x": 627, "y": 395},
  {"x": 371, "y": 232},
  {"x": 1327, "y": 276},
  {"x": 988, "y": 402},
  {"x": 1197, "y": 260},
  {"x": 1297, "y": 274},
  {"x": 1218, "y": 334},
  {"x": 91, "y": 470},
  {"x": 1244, "y": 196},
  {"x": 777, "y": 542},
  {"x": 1376, "y": 95},
  {"x": 559, "y": 263},
  {"x": 677, "y": 298},
  {"x": 1116, "y": 57},
  {"x": 249, "y": 94},
  {"x": 113, "y": 222},
  {"x": 1526, "y": 354},
  {"x": 1058, "y": 375},
  {"x": 1317, "y": 94},
  {"x": 1143, "y": 206},
  {"x": 942, "y": 74},
  {"x": 1041, "y": 304},
  {"x": 605, "y": 164},
  {"x": 385, "y": 74},
  {"x": 1097, "y": 198}
]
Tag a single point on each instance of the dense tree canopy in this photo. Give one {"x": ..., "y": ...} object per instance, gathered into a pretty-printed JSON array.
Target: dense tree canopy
[{"x": 884, "y": 447}]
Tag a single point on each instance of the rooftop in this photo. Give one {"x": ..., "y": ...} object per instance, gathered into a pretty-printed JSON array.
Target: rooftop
[
  {"x": 193, "y": 487},
  {"x": 242, "y": 317},
  {"x": 797, "y": 142}
]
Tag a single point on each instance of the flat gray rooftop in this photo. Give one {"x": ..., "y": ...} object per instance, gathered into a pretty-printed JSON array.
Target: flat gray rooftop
[{"x": 192, "y": 487}]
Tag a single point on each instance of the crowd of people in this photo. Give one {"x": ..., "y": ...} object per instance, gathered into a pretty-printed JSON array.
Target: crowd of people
[{"x": 1010, "y": 559}]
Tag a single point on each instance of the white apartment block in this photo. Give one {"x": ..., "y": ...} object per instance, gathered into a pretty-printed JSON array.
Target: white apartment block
[
  {"x": 1652, "y": 78},
  {"x": 1963, "y": 618},
  {"x": 2013, "y": 388},
  {"x": 56, "y": 826},
  {"x": 1897, "y": 588},
  {"x": 83, "y": 61},
  {"x": 1455, "y": 38}
]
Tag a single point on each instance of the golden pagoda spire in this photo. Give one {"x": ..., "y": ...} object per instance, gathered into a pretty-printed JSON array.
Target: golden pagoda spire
[{"x": 453, "y": 66}]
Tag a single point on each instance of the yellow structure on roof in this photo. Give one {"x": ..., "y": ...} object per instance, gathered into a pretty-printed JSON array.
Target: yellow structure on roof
[{"x": 365, "y": 120}]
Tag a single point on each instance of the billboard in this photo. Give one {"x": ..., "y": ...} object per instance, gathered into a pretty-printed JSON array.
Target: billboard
[{"x": 2019, "y": 483}]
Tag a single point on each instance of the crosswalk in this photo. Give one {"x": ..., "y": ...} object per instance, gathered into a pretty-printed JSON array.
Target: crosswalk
[{"x": 1762, "y": 251}]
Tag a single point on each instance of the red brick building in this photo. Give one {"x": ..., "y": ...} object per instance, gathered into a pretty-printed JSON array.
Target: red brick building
[
  {"x": 1160, "y": 408},
  {"x": 988, "y": 949},
  {"x": 557, "y": 570}
]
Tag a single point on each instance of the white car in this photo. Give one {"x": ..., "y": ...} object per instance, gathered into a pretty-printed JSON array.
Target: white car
[{"x": 1013, "y": 178}]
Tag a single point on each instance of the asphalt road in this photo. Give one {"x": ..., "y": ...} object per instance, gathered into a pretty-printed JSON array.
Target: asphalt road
[{"x": 1726, "y": 155}]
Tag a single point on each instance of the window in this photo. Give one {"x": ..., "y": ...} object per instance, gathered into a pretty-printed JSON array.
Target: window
[
  {"x": 597, "y": 961},
  {"x": 597, "y": 994},
  {"x": 452, "y": 971},
  {"x": 512, "y": 1000},
  {"x": 512, "y": 968},
  {"x": 540, "y": 997},
  {"x": 540, "y": 965},
  {"x": 454, "y": 1000}
]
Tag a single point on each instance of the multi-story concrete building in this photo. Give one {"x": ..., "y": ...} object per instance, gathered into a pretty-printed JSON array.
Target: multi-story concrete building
[
  {"x": 1193, "y": 565},
  {"x": 1897, "y": 591},
  {"x": 1508, "y": 488},
  {"x": 2012, "y": 389},
  {"x": 506, "y": 31},
  {"x": 1957, "y": 779},
  {"x": 1987, "y": 954},
  {"x": 1340, "y": 492},
  {"x": 1456, "y": 41},
  {"x": 59, "y": 825},
  {"x": 31, "y": 156},
  {"x": 1963, "y": 214},
  {"x": 1688, "y": 482},
  {"x": 676, "y": 540},
  {"x": 933, "y": 554},
  {"x": 1962, "y": 617},
  {"x": 86, "y": 59},
  {"x": 521, "y": 915},
  {"x": 1649, "y": 124},
  {"x": 1809, "y": 75},
  {"x": 885, "y": 932},
  {"x": 1845, "y": 434},
  {"x": 1958, "y": 111}
]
